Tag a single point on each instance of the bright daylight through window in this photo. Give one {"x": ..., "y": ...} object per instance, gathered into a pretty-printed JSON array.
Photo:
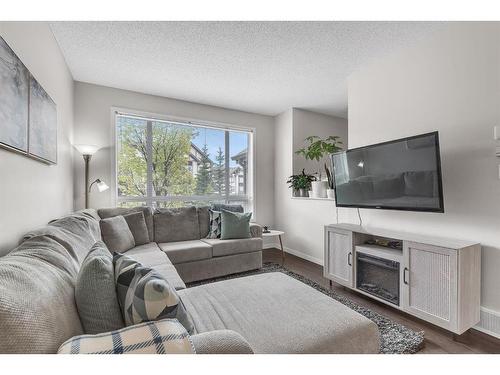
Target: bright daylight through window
[{"x": 172, "y": 164}]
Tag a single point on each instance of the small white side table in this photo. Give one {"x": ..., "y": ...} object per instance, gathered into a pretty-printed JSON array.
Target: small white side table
[{"x": 277, "y": 233}]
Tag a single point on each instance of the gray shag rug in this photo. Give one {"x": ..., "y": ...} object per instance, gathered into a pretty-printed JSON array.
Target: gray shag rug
[{"x": 395, "y": 338}]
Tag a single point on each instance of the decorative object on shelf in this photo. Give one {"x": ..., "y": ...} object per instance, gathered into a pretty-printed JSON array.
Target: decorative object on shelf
[
  {"x": 28, "y": 115},
  {"x": 393, "y": 244},
  {"x": 316, "y": 150},
  {"x": 300, "y": 183},
  {"x": 265, "y": 229},
  {"x": 330, "y": 192},
  {"x": 87, "y": 151}
]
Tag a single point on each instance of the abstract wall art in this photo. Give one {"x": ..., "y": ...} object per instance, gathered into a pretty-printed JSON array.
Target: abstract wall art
[
  {"x": 42, "y": 124},
  {"x": 28, "y": 115},
  {"x": 14, "y": 99}
]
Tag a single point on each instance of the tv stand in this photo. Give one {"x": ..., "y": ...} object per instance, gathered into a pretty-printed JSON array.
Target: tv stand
[{"x": 433, "y": 278}]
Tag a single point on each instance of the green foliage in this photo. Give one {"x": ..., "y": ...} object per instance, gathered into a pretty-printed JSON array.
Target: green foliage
[
  {"x": 219, "y": 173},
  {"x": 300, "y": 181},
  {"x": 170, "y": 154},
  {"x": 204, "y": 176},
  {"x": 319, "y": 148}
]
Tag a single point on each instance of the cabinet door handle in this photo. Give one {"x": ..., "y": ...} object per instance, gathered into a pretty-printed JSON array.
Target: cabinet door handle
[
  {"x": 349, "y": 259},
  {"x": 404, "y": 275}
]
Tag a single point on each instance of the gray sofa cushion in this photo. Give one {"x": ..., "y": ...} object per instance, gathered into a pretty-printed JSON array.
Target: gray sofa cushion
[
  {"x": 149, "y": 255},
  {"x": 95, "y": 292},
  {"x": 186, "y": 251},
  {"x": 76, "y": 232},
  {"x": 37, "y": 301},
  {"x": 116, "y": 234},
  {"x": 146, "y": 211},
  {"x": 138, "y": 227},
  {"x": 177, "y": 224},
  {"x": 203, "y": 221},
  {"x": 222, "y": 341},
  {"x": 169, "y": 273},
  {"x": 278, "y": 314},
  {"x": 222, "y": 248},
  {"x": 145, "y": 296}
]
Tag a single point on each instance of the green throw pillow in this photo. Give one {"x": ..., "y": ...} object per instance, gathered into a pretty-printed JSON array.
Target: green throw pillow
[{"x": 235, "y": 225}]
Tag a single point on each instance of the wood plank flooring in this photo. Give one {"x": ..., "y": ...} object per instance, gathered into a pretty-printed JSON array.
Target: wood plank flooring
[{"x": 437, "y": 340}]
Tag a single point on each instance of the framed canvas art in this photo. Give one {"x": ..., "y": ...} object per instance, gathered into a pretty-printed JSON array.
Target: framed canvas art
[
  {"x": 42, "y": 124},
  {"x": 14, "y": 100}
]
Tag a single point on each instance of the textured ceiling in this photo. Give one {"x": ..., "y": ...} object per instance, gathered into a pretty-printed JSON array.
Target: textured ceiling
[{"x": 262, "y": 67}]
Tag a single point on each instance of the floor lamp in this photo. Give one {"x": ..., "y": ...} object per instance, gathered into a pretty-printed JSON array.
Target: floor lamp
[{"x": 87, "y": 151}]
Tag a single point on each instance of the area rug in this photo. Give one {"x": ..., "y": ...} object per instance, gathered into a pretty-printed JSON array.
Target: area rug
[{"x": 395, "y": 338}]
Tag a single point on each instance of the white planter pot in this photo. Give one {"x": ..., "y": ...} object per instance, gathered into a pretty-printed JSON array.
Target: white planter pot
[
  {"x": 319, "y": 189},
  {"x": 330, "y": 193}
]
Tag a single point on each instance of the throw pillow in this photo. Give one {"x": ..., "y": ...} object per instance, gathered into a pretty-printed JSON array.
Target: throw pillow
[
  {"x": 138, "y": 227},
  {"x": 228, "y": 207},
  {"x": 145, "y": 295},
  {"x": 166, "y": 336},
  {"x": 235, "y": 225},
  {"x": 215, "y": 224},
  {"x": 116, "y": 234},
  {"x": 95, "y": 292}
]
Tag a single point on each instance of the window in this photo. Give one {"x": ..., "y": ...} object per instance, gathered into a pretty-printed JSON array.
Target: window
[{"x": 172, "y": 164}]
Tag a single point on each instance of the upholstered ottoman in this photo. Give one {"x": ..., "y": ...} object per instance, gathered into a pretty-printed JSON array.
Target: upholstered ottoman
[{"x": 277, "y": 314}]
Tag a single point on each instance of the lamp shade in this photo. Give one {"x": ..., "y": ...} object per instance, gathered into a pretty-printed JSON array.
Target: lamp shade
[
  {"x": 87, "y": 149},
  {"x": 102, "y": 186}
]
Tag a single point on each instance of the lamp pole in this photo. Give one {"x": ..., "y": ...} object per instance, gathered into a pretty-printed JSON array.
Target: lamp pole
[{"x": 87, "y": 158}]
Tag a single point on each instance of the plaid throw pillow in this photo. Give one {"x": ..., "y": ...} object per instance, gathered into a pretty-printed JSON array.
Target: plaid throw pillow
[
  {"x": 145, "y": 295},
  {"x": 215, "y": 224},
  {"x": 166, "y": 336}
]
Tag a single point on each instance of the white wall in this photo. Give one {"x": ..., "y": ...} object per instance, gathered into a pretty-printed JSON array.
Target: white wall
[
  {"x": 450, "y": 83},
  {"x": 301, "y": 219},
  {"x": 93, "y": 126},
  {"x": 32, "y": 193}
]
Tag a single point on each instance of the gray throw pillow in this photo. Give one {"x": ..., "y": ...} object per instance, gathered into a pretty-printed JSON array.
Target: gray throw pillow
[
  {"x": 116, "y": 234},
  {"x": 95, "y": 292},
  {"x": 138, "y": 227},
  {"x": 144, "y": 295},
  {"x": 235, "y": 225}
]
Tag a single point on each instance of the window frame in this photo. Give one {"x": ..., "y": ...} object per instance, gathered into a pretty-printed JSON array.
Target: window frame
[{"x": 115, "y": 200}]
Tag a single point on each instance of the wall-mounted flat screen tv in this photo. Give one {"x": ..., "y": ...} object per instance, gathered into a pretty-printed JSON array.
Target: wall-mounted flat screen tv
[{"x": 403, "y": 174}]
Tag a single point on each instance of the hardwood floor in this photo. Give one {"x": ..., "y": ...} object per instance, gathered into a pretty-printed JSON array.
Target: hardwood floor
[{"x": 437, "y": 340}]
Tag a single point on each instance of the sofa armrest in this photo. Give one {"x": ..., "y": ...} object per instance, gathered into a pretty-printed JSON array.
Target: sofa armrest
[
  {"x": 222, "y": 341},
  {"x": 255, "y": 230}
]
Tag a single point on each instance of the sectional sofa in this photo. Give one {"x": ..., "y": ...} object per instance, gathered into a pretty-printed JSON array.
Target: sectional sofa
[
  {"x": 265, "y": 313},
  {"x": 178, "y": 238}
]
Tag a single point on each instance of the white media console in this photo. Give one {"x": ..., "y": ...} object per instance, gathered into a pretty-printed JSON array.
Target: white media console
[{"x": 435, "y": 279}]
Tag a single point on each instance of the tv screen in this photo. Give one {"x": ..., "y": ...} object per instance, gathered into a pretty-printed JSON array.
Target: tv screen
[{"x": 404, "y": 174}]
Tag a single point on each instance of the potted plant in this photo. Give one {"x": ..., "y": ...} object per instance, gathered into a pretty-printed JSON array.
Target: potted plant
[
  {"x": 300, "y": 183},
  {"x": 330, "y": 192},
  {"x": 316, "y": 150}
]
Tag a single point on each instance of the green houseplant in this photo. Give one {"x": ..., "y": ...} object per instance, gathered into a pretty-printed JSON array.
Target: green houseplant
[
  {"x": 300, "y": 183},
  {"x": 316, "y": 150}
]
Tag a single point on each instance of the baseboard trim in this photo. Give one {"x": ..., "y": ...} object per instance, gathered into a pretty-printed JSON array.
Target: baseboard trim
[
  {"x": 489, "y": 323},
  {"x": 297, "y": 253}
]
